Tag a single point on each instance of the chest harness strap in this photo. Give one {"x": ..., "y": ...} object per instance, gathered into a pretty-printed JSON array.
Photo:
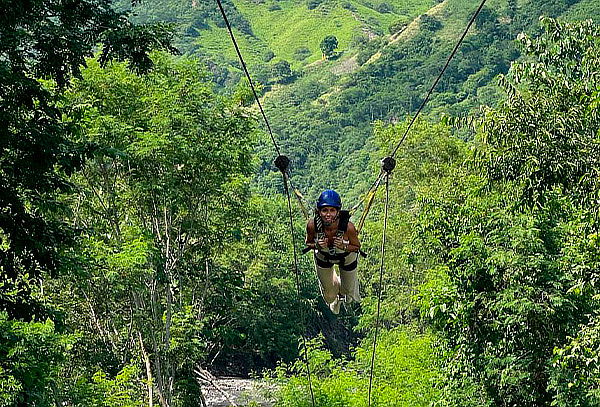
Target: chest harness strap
[{"x": 330, "y": 254}]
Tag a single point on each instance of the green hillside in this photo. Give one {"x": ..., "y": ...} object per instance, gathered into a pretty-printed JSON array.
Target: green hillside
[
  {"x": 583, "y": 10},
  {"x": 375, "y": 76},
  {"x": 294, "y": 26},
  {"x": 287, "y": 28},
  {"x": 390, "y": 77}
]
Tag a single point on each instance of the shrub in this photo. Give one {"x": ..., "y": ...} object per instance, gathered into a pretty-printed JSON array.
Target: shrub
[
  {"x": 398, "y": 25},
  {"x": 313, "y": 4},
  {"x": 359, "y": 40},
  {"x": 282, "y": 71},
  {"x": 349, "y": 6},
  {"x": 429, "y": 23},
  {"x": 301, "y": 53},
  {"x": 385, "y": 8},
  {"x": 404, "y": 370},
  {"x": 268, "y": 55}
]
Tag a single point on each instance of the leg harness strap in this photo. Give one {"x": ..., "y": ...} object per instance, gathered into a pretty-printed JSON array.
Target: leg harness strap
[
  {"x": 322, "y": 263},
  {"x": 349, "y": 267}
]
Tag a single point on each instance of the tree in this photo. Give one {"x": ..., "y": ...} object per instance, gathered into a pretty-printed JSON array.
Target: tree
[
  {"x": 161, "y": 196},
  {"x": 282, "y": 72},
  {"x": 328, "y": 46},
  {"x": 46, "y": 39},
  {"x": 560, "y": 152},
  {"x": 516, "y": 243}
]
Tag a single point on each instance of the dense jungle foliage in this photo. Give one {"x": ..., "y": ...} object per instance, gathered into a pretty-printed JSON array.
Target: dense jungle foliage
[
  {"x": 144, "y": 236},
  {"x": 497, "y": 249}
]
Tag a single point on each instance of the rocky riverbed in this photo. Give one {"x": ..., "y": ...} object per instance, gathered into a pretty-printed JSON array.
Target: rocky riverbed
[{"x": 231, "y": 391}]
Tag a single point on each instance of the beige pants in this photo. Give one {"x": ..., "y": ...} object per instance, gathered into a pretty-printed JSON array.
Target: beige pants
[{"x": 332, "y": 284}]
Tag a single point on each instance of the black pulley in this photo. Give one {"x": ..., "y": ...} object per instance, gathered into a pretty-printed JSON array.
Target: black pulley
[
  {"x": 388, "y": 164},
  {"x": 282, "y": 163}
]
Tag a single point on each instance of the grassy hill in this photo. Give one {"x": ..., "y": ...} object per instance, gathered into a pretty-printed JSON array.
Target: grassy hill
[
  {"x": 290, "y": 29},
  {"x": 294, "y": 26},
  {"x": 323, "y": 115}
]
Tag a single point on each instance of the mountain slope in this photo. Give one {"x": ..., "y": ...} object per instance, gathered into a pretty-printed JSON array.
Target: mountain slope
[
  {"x": 290, "y": 29},
  {"x": 325, "y": 121},
  {"x": 323, "y": 111}
]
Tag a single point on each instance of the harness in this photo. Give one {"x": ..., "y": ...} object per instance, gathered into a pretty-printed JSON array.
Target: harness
[{"x": 343, "y": 219}]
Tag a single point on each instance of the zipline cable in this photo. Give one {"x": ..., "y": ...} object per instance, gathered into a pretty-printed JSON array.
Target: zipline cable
[
  {"x": 452, "y": 54},
  {"x": 282, "y": 163},
  {"x": 377, "y": 182},
  {"x": 302, "y": 317},
  {"x": 388, "y": 165},
  {"x": 237, "y": 49}
]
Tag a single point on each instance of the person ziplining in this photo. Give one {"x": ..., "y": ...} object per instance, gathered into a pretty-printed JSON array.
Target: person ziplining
[
  {"x": 334, "y": 241},
  {"x": 330, "y": 234}
]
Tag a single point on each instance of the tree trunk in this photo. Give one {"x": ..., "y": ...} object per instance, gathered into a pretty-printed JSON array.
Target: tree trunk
[{"x": 148, "y": 371}]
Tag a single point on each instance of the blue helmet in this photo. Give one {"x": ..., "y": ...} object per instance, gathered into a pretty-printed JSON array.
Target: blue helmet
[{"x": 329, "y": 198}]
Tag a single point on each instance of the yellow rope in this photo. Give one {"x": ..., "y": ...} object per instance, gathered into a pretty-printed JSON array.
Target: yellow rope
[
  {"x": 301, "y": 200},
  {"x": 369, "y": 199}
]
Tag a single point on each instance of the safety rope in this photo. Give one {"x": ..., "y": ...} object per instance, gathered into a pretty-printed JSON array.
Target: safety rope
[
  {"x": 282, "y": 163},
  {"x": 388, "y": 165},
  {"x": 300, "y": 199},
  {"x": 367, "y": 201},
  {"x": 302, "y": 316}
]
